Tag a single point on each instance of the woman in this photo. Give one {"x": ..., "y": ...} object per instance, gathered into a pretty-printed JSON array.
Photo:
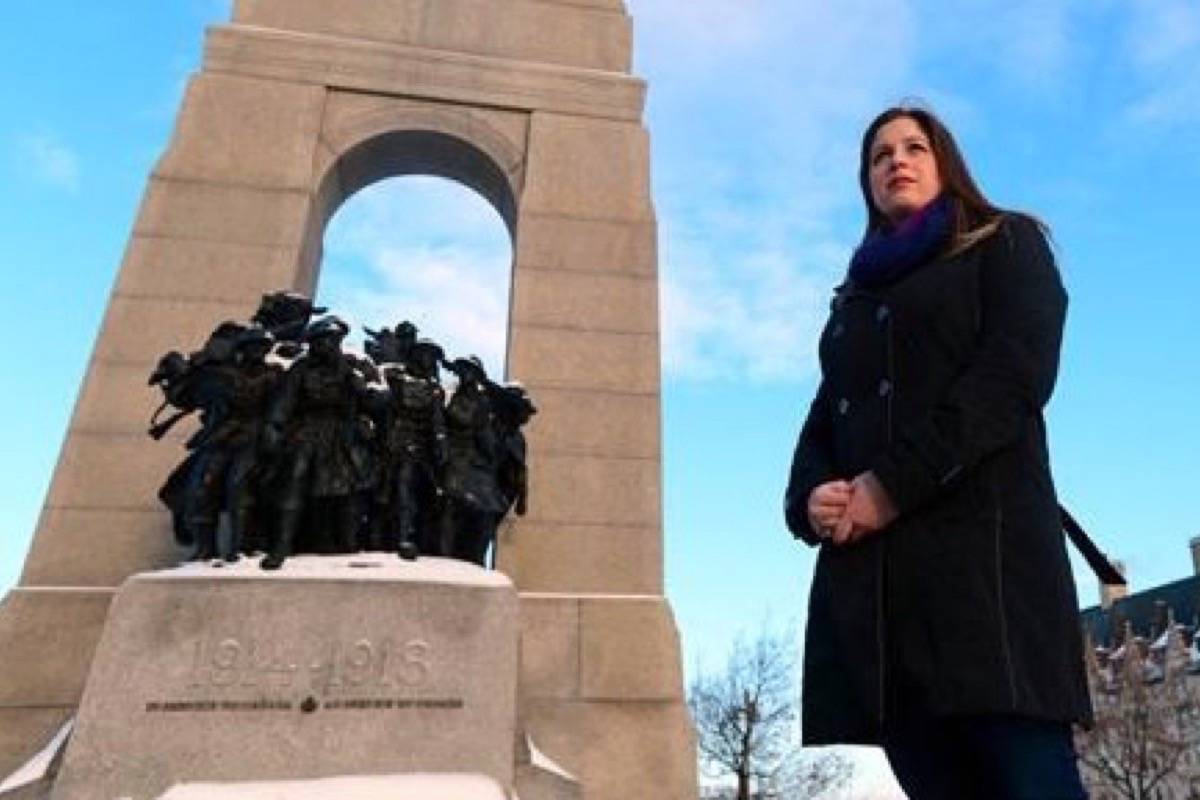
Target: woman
[{"x": 942, "y": 620}]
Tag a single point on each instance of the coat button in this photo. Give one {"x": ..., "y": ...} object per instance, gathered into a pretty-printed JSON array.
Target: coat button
[
  {"x": 885, "y": 387},
  {"x": 837, "y": 330},
  {"x": 843, "y": 406},
  {"x": 882, "y": 313}
]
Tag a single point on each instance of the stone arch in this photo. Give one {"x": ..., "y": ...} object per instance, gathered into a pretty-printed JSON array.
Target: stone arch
[
  {"x": 406, "y": 139},
  {"x": 361, "y": 146}
]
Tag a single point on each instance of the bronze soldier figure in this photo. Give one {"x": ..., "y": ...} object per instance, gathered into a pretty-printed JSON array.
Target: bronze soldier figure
[
  {"x": 416, "y": 445},
  {"x": 512, "y": 410},
  {"x": 229, "y": 382},
  {"x": 347, "y": 455},
  {"x": 313, "y": 422},
  {"x": 386, "y": 346},
  {"x": 472, "y": 501}
]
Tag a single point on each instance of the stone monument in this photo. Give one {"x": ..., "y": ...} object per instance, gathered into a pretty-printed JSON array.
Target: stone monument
[{"x": 296, "y": 107}]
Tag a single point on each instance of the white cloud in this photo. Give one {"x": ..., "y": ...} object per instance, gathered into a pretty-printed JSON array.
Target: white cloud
[
  {"x": 756, "y": 134},
  {"x": 1032, "y": 40},
  {"x": 761, "y": 54},
  {"x": 756, "y": 318},
  {"x": 691, "y": 31},
  {"x": 1031, "y": 45},
  {"x": 1171, "y": 102},
  {"x": 417, "y": 208},
  {"x": 1161, "y": 31},
  {"x": 50, "y": 161},
  {"x": 425, "y": 250},
  {"x": 448, "y": 294},
  {"x": 1163, "y": 45}
]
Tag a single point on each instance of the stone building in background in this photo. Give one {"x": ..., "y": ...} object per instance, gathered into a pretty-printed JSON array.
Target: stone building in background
[{"x": 1143, "y": 664}]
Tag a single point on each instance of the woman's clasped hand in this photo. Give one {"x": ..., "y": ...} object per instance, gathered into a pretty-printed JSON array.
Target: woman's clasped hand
[{"x": 846, "y": 511}]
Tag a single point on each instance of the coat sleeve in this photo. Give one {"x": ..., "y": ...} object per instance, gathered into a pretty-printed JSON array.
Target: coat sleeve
[
  {"x": 1007, "y": 381},
  {"x": 810, "y": 467}
]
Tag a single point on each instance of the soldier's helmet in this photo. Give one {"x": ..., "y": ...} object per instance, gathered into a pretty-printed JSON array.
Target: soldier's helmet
[
  {"x": 279, "y": 308},
  {"x": 428, "y": 348},
  {"x": 325, "y": 327},
  {"x": 221, "y": 343},
  {"x": 514, "y": 403},
  {"x": 406, "y": 331},
  {"x": 229, "y": 329},
  {"x": 254, "y": 335},
  {"x": 468, "y": 370}
]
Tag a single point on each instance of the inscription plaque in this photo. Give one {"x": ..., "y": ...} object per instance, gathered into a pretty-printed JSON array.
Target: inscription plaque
[
  {"x": 233, "y": 674},
  {"x": 379, "y": 663}
]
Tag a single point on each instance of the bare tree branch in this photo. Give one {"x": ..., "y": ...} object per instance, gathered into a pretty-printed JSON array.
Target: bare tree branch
[
  {"x": 1147, "y": 701},
  {"x": 746, "y": 724}
]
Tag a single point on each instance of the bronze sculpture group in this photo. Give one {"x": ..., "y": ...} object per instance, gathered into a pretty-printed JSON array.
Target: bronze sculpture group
[{"x": 307, "y": 448}]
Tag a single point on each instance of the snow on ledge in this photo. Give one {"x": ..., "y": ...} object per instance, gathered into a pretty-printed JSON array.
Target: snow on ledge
[
  {"x": 392, "y": 787},
  {"x": 384, "y": 567},
  {"x": 543, "y": 762},
  {"x": 35, "y": 769}
]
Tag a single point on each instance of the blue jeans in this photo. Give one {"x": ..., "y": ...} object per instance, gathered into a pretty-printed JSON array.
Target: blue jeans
[{"x": 985, "y": 758}]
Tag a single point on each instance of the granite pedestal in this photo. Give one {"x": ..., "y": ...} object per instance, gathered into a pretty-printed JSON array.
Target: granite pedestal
[{"x": 355, "y": 665}]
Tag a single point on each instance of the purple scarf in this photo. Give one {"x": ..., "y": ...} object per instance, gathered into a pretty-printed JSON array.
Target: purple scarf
[{"x": 886, "y": 256}]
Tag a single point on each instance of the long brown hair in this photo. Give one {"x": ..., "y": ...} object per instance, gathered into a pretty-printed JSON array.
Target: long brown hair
[{"x": 972, "y": 216}]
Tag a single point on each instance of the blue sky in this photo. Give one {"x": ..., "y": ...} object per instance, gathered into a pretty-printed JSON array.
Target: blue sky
[{"x": 1082, "y": 111}]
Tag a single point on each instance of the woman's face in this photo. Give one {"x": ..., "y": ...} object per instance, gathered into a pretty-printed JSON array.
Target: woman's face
[{"x": 903, "y": 171}]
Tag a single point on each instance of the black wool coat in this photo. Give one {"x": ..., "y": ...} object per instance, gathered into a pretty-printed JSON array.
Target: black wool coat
[{"x": 965, "y": 604}]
